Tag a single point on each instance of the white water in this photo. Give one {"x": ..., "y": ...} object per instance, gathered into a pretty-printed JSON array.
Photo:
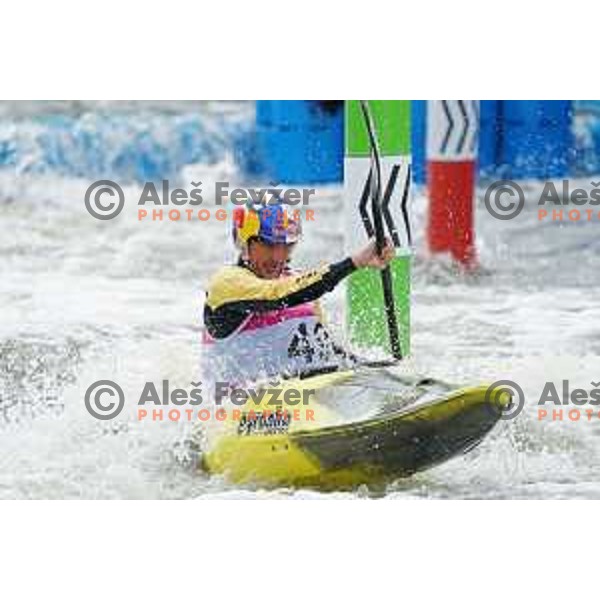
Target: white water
[{"x": 84, "y": 300}]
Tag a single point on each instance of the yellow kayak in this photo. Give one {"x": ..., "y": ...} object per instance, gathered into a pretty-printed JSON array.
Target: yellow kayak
[{"x": 350, "y": 428}]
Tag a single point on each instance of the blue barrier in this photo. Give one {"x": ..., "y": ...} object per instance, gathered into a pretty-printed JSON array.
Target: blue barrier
[
  {"x": 517, "y": 139},
  {"x": 300, "y": 141},
  {"x": 418, "y": 133},
  {"x": 490, "y": 137},
  {"x": 292, "y": 141},
  {"x": 586, "y": 132},
  {"x": 537, "y": 138}
]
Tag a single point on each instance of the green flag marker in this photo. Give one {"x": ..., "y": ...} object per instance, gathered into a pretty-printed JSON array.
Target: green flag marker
[{"x": 366, "y": 319}]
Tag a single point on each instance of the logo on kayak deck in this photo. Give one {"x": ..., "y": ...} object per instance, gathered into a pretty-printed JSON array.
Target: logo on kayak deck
[{"x": 264, "y": 423}]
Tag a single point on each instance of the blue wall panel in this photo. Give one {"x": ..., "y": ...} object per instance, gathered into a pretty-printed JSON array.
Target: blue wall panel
[{"x": 301, "y": 141}]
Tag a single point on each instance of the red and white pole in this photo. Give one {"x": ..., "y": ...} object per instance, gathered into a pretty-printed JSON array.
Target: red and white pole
[{"x": 452, "y": 137}]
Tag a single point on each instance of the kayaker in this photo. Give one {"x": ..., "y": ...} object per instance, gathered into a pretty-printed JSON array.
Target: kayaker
[{"x": 261, "y": 318}]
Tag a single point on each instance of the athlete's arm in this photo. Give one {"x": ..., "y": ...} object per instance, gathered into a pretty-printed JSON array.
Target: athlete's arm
[{"x": 237, "y": 292}]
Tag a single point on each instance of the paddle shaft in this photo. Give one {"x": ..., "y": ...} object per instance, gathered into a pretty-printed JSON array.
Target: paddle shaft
[{"x": 386, "y": 274}]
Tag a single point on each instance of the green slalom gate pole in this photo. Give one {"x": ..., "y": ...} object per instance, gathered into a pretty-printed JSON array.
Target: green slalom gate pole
[
  {"x": 376, "y": 205},
  {"x": 368, "y": 317}
]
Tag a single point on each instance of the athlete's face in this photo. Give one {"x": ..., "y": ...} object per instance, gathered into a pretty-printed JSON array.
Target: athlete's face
[{"x": 268, "y": 261}]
